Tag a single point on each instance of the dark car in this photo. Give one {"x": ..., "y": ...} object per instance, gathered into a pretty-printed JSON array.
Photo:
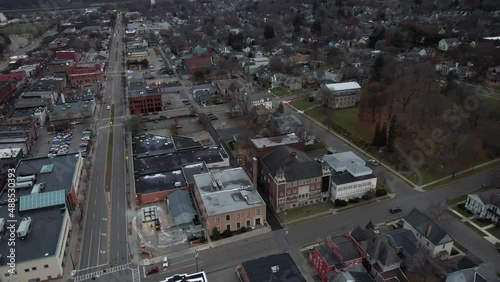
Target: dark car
[
  {"x": 194, "y": 237},
  {"x": 153, "y": 270},
  {"x": 395, "y": 210}
]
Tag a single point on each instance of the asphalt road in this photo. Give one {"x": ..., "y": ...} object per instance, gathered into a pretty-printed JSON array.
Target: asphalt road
[{"x": 94, "y": 249}]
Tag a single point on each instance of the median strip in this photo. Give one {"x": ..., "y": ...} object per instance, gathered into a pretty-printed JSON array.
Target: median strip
[{"x": 109, "y": 157}]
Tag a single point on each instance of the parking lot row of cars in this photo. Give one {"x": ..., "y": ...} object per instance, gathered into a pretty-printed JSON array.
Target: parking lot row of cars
[
  {"x": 85, "y": 140},
  {"x": 60, "y": 144}
]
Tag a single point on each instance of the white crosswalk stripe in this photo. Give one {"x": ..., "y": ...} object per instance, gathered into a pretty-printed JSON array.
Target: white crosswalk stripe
[
  {"x": 136, "y": 275},
  {"x": 103, "y": 272}
]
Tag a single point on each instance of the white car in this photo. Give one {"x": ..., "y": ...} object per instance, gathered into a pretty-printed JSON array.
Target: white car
[
  {"x": 108, "y": 107},
  {"x": 373, "y": 162},
  {"x": 165, "y": 262}
]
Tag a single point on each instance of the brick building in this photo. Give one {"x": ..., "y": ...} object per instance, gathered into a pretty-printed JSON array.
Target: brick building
[
  {"x": 227, "y": 200},
  {"x": 84, "y": 75},
  {"x": 293, "y": 179},
  {"x": 16, "y": 76},
  {"x": 75, "y": 56},
  {"x": 145, "y": 101},
  {"x": 335, "y": 255},
  {"x": 61, "y": 66},
  {"x": 198, "y": 59}
]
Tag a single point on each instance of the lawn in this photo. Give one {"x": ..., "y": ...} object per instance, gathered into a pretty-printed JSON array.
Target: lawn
[
  {"x": 462, "y": 211},
  {"x": 309, "y": 210},
  {"x": 495, "y": 231},
  {"x": 280, "y": 92},
  {"x": 456, "y": 200},
  {"x": 345, "y": 118},
  {"x": 481, "y": 223},
  {"x": 302, "y": 104},
  {"x": 480, "y": 232}
]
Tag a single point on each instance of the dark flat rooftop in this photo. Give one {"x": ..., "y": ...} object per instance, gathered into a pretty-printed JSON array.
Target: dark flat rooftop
[
  {"x": 46, "y": 225},
  {"x": 185, "y": 143},
  {"x": 21, "y": 113},
  {"x": 151, "y": 145},
  {"x": 191, "y": 170},
  {"x": 175, "y": 161},
  {"x": 157, "y": 182},
  {"x": 344, "y": 177},
  {"x": 17, "y": 127},
  {"x": 261, "y": 269}
]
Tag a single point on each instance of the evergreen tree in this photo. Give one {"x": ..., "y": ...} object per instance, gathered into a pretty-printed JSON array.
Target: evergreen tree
[
  {"x": 376, "y": 136},
  {"x": 268, "y": 32},
  {"x": 383, "y": 135},
  {"x": 391, "y": 136},
  {"x": 316, "y": 27}
]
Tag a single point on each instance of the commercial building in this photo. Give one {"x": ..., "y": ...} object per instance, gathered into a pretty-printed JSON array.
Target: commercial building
[
  {"x": 75, "y": 56},
  {"x": 429, "y": 234},
  {"x": 194, "y": 277},
  {"x": 277, "y": 267},
  {"x": 72, "y": 111},
  {"x": 351, "y": 178},
  {"x": 84, "y": 75},
  {"x": 16, "y": 76},
  {"x": 137, "y": 54},
  {"x": 341, "y": 95},
  {"x": 145, "y": 101},
  {"x": 293, "y": 179},
  {"x": 228, "y": 200}
]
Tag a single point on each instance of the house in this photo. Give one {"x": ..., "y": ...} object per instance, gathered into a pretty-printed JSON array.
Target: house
[
  {"x": 341, "y": 95},
  {"x": 493, "y": 76},
  {"x": 234, "y": 109},
  {"x": 233, "y": 88},
  {"x": 258, "y": 62},
  {"x": 446, "y": 44},
  {"x": 382, "y": 261},
  {"x": 351, "y": 178},
  {"x": 282, "y": 124},
  {"x": 228, "y": 200},
  {"x": 298, "y": 58},
  {"x": 485, "y": 272},
  {"x": 335, "y": 255},
  {"x": 257, "y": 99},
  {"x": 485, "y": 204},
  {"x": 402, "y": 241},
  {"x": 277, "y": 267},
  {"x": 429, "y": 234},
  {"x": 181, "y": 207},
  {"x": 286, "y": 81},
  {"x": 293, "y": 179},
  {"x": 260, "y": 114}
]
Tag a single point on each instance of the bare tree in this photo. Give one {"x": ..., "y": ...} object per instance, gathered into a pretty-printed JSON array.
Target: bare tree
[
  {"x": 133, "y": 123},
  {"x": 438, "y": 211},
  {"x": 419, "y": 265}
]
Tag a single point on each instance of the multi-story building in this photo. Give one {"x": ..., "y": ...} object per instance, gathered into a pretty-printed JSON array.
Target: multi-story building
[
  {"x": 335, "y": 255},
  {"x": 75, "y": 56},
  {"x": 72, "y": 111},
  {"x": 61, "y": 66},
  {"x": 17, "y": 76},
  {"x": 293, "y": 179},
  {"x": 351, "y": 178},
  {"x": 228, "y": 200},
  {"x": 83, "y": 75},
  {"x": 485, "y": 204},
  {"x": 341, "y": 95},
  {"x": 137, "y": 53},
  {"x": 145, "y": 101},
  {"x": 430, "y": 235},
  {"x": 198, "y": 59}
]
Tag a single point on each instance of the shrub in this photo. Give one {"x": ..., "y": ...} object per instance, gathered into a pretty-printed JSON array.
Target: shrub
[
  {"x": 454, "y": 252},
  {"x": 215, "y": 234},
  {"x": 354, "y": 200},
  {"x": 369, "y": 195},
  {"x": 380, "y": 192},
  {"x": 243, "y": 229},
  {"x": 227, "y": 233},
  {"x": 203, "y": 239},
  {"x": 340, "y": 203},
  {"x": 461, "y": 206}
]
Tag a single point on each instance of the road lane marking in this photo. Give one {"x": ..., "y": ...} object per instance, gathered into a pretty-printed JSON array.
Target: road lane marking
[{"x": 98, "y": 247}]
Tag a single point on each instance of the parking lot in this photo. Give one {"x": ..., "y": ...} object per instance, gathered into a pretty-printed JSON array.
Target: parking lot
[
  {"x": 69, "y": 141},
  {"x": 173, "y": 101},
  {"x": 155, "y": 62}
]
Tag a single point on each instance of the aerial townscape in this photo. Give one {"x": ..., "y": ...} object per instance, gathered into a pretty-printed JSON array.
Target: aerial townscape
[{"x": 250, "y": 140}]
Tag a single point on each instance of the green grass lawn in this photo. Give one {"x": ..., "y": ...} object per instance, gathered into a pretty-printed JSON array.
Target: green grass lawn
[
  {"x": 480, "y": 223},
  {"x": 309, "y": 210},
  {"x": 456, "y": 200},
  {"x": 480, "y": 232},
  {"x": 345, "y": 118},
  {"x": 280, "y": 92},
  {"x": 302, "y": 104},
  {"x": 495, "y": 231},
  {"x": 462, "y": 212}
]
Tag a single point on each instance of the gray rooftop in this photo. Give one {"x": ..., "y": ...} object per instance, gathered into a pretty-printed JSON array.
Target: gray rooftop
[
  {"x": 148, "y": 145},
  {"x": 227, "y": 191},
  {"x": 277, "y": 267},
  {"x": 295, "y": 164},
  {"x": 143, "y": 93},
  {"x": 348, "y": 161},
  {"x": 483, "y": 273},
  {"x": 181, "y": 207},
  {"x": 403, "y": 239},
  {"x": 74, "y": 107},
  {"x": 427, "y": 228},
  {"x": 191, "y": 170},
  {"x": 275, "y": 141}
]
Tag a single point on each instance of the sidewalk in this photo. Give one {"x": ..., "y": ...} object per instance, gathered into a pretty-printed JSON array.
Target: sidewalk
[{"x": 489, "y": 237}]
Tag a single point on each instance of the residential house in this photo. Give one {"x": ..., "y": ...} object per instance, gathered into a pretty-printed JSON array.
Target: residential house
[
  {"x": 286, "y": 81},
  {"x": 260, "y": 114},
  {"x": 403, "y": 242},
  {"x": 235, "y": 109},
  {"x": 341, "y": 95},
  {"x": 257, "y": 99},
  {"x": 298, "y": 58},
  {"x": 282, "y": 124},
  {"x": 293, "y": 179},
  {"x": 351, "y": 178},
  {"x": 277, "y": 267},
  {"x": 382, "y": 262},
  {"x": 335, "y": 255},
  {"x": 258, "y": 62},
  {"x": 233, "y": 89},
  {"x": 493, "y": 76},
  {"x": 446, "y": 44},
  {"x": 484, "y": 272},
  {"x": 429, "y": 234},
  {"x": 485, "y": 204},
  {"x": 228, "y": 200}
]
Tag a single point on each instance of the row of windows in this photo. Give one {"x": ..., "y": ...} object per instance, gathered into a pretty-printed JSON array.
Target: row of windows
[
  {"x": 353, "y": 186},
  {"x": 238, "y": 216},
  {"x": 238, "y": 226},
  {"x": 27, "y": 270}
]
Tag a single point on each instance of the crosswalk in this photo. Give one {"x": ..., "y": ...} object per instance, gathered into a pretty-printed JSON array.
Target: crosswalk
[{"x": 135, "y": 273}]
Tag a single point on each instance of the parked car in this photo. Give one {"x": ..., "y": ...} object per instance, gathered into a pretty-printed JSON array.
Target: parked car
[
  {"x": 165, "y": 262},
  {"x": 373, "y": 162},
  {"x": 178, "y": 126},
  {"x": 194, "y": 237},
  {"x": 395, "y": 210},
  {"x": 108, "y": 107},
  {"x": 153, "y": 270},
  {"x": 168, "y": 102},
  {"x": 185, "y": 101}
]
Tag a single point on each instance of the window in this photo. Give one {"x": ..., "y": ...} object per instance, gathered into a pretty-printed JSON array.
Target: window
[
  {"x": 248, "y": 213},
  {"x": 248, "y": 223},
  {"x": 238, "y": 226},
  {"x": 257, "y": 212},
  {"x": 228, "y": 227},
  {"x": 46, "y": 266},
  {"x": 218, "y": 228},
  {"x": 228, "y": 217},
  {"x": 238, "y": 216},
  {"x": 27, "y": 270},
  {"x": 33, "y": 268},
  {"x": 217, "y": 219}
]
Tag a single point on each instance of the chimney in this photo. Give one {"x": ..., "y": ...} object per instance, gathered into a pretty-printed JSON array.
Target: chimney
[
  {"x": 293, "y": 155},
  {"x": 428, "y": 232},
  {"x": 255, "y": 171}
]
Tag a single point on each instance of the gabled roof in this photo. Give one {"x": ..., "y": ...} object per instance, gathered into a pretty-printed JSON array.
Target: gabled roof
[
  {"x": 347, "y": 251},
  {"x": 181, "y": 207},
  {"x": 296, "y": 165},
  {"x": 427, "y": 227},
  {"x": 489, "y": 197},
  {"x": 482, "y": 273},
  {"x": 403, "y": 238}
]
